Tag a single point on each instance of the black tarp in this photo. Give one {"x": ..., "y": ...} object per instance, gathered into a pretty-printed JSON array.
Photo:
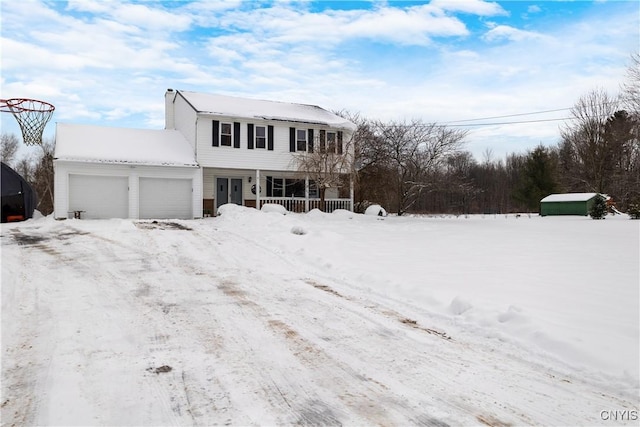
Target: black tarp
[{"x": 18, "y": 197}]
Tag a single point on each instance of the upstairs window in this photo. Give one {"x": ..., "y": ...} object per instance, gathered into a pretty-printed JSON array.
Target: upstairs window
[
  {"x": 261, "y": 137},
  {"x": 301, "y": 140},
  {"x": 331, "y": 142},
  {"x": 226, "y": 134}
]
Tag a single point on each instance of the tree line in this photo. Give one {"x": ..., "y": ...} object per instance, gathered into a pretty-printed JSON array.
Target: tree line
[{"x": 414, "y": 166}]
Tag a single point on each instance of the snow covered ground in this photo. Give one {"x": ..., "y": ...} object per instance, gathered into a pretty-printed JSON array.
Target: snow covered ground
[{"x": 256, "y": 318}]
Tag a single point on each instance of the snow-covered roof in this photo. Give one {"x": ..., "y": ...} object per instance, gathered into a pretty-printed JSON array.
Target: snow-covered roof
[
  {"x": 569, "y": 197},
  {"x": 103, "y": 144},
  {"x": 266, "y": 110}
]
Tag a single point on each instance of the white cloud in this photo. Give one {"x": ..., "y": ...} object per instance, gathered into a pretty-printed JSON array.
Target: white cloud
[
  {"x": 143, "y": 16},
  {"x": 476, "y": 7},
  {"x": 506, "y": 32},
  {"x": 534, "y": 9},
  {"x": 410, "y": 26}
]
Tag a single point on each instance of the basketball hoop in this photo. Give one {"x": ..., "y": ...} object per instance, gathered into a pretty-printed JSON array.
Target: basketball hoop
[{"x": 32, "y": 116}]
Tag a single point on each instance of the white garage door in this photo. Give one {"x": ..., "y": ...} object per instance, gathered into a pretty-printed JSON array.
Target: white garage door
[
  {"x": 165, "y": 198},
  {"x": 99, "y": 196}
]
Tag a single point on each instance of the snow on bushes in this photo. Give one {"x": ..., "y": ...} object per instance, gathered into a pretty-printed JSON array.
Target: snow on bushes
[{"x": 375, "y": 210}]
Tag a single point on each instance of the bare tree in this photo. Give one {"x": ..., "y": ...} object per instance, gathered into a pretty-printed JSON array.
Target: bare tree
[
  {"x": 329, "y": 164},
  {"x": 586, "y": 140},
  {"x": 411, "y": 153},
  {"x": 631, "y": 87},
  {"x": 36, "y": 167},
  {"x": 9, "y": 144},
  {"x": 43, "y": 176}
]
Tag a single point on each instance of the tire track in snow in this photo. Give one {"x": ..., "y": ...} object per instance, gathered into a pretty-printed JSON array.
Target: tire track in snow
[
  {"x": 479, "y": 362},
  {"x": 81, "y": 263},
  {"x": 340, "y": 370},
  {"x": 320, "y": 378}
]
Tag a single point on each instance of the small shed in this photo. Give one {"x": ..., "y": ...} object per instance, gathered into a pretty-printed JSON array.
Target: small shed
[
  {"x": 19, "y": 199},
  {"x": 567, "y": 204}
]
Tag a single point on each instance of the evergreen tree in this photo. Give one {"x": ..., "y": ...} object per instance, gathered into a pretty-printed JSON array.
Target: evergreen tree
[
  {"x": 537, "y": 179},
  {"x": 599, "y": 208}
]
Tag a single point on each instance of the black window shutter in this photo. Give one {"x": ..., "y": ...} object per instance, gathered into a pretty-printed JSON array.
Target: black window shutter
[
  {"x": 323, "y": 139},
  {"x": 292, "y": 139},
  {"x": 339, "y": 142},
  {"x": 250, "y": 136},
  {"x": 270, "y": 137},
  {"x": 310, "y": 141},
  {"x": 269, "y": 186},
  {"x": 216, "y": 133},
  {"x": 236, "y": 135}
]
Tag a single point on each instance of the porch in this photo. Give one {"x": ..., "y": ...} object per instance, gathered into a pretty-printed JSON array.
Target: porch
[
  {"x": 296, "y": 204},
  {"x": 255, "y": 188}
]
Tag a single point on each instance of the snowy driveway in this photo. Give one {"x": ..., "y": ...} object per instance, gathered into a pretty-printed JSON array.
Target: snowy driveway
[{"x": 210, "y": 322}]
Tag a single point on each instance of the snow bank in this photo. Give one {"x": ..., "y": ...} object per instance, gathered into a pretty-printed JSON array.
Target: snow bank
[
  {"x": 343, "y": 213},
  {"x": 274, "y": 208}
]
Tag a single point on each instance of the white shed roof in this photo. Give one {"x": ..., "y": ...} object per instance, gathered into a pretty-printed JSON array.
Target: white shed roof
[
  {"x": 267, "y": 110},
  {"x": 569, "y": 197},
  {"x": 103, "y": 144}
]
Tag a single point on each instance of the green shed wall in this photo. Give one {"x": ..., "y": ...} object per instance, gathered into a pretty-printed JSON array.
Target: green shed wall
[{"x": 566, "y": 208}]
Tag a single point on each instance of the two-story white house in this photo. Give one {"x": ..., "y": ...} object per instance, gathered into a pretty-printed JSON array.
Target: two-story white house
[{"x": 214, "y": 150}]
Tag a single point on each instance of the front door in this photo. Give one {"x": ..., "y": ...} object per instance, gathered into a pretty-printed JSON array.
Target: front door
[
  {"x": 228, "y": 191},
  {"x": 222, "y": 191},
  {"x": 236, "y": 191}
]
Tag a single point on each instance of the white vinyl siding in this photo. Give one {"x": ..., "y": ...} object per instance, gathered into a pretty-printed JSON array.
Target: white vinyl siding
[
  {"x": 99, "y": 196},
  {"x": 184, "y": 118},
  {"x": 278, "y": 159},
  {"x": 164, "y": 198}
]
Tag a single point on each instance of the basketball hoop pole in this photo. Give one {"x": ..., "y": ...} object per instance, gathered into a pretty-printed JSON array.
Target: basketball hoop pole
[{"x": 31, "y": 114}]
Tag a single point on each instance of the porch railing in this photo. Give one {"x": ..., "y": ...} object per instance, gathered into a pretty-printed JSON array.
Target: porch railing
[{"x": 298, "y": 204}]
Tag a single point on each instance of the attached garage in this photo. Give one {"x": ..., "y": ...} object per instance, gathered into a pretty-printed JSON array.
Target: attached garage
[
  {"x": 164, "y": 198},
  {"x": 99, "y": 197},
  {"x": 567, "y": 204},
  {"x": 103, "y": 172}
]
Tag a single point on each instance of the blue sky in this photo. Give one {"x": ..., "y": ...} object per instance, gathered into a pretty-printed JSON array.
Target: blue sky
[{"x": 110, "y": 62}]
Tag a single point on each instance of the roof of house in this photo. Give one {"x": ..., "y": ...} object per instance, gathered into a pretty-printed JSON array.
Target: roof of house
[
  {"x": 103, "y": 144},
  {"x": 569, "y": 197},
  {"x": 231, "y": 106}
]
